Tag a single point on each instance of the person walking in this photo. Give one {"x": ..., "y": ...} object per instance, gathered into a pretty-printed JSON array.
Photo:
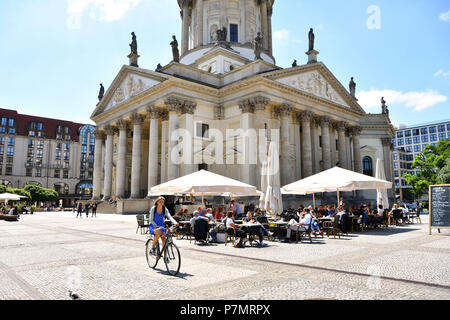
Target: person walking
[
  {"x": 94, "y": 210},
  {"x": 79, "y": 209},
  {"x": 86, "y": 208}
]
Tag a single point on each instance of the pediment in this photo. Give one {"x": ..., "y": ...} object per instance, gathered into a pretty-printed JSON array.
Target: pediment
[
  {"x": 128, "y": 84},
  {"x": 314, "y": 83},
  {"x": 317, "y": 80}
]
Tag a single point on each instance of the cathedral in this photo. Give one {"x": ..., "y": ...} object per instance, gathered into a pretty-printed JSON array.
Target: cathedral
[{"x": 220, "y": 103}]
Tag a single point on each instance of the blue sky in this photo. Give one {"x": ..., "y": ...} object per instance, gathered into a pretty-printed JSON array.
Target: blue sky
[{"x": 54, "y": 53}]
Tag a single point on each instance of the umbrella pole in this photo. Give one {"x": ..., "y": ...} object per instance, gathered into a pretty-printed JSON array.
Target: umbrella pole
[
  {"x": 337, "y": 198},
  {"x": 203, "y": 200},
  {"x": 314, "y": 201}
]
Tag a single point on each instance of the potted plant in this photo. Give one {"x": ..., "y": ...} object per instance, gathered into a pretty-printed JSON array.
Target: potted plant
[{"x": 32, "y": 209}]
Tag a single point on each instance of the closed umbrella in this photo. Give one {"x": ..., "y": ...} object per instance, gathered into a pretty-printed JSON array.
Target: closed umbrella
[
  {"x": 382, "y": 195},
  {"x": 262, "y": 199},
  {"x": 274, "y": 200}
]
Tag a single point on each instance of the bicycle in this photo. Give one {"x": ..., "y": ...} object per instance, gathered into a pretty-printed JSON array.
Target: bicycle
[{"x": 170, "y": 254}]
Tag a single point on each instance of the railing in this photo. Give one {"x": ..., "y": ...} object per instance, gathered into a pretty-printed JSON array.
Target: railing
[{"x": 46, "y": 166}]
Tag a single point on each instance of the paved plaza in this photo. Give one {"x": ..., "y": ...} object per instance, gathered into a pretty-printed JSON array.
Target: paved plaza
[{"x": 44, "y": 255}]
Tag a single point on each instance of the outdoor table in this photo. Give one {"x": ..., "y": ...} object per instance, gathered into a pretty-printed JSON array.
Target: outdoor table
[{"x": 278, "y": 225}]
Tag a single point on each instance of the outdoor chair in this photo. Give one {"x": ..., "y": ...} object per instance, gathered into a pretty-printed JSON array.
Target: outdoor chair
[
  {"x": 332, "y": 229},
  {"x": 201, "y": 229},
  {"x": 397, "y": 216},
  {"x": 253, "y": 235},
  {"x": 416, "y": 217},
  {"x": 184, "y": 230},
  {"x": 141, "y": 223},
  {"x": 230, "y": 234},
  {"x": 301, "y": 232}
]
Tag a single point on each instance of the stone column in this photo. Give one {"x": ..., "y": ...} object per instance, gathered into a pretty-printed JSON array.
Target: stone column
[
  {"x": 342, "y": 126},
  {"x": 185, "y": 27},
  {"x": 175, "y": 105},
  {"x": 269, "y": 23},
  {"x": 97, "y": 183},
  {"x": 387, "y": 142},
  {"x": 260, "y": 104},
  {"x": 326, "y": 147},
  {"x": 136, "y": 159},
  {"x": 199, "y": 39},
  {"x": 305, "y": 118},
  {"x": 286, "y": 172},
  {"x": 108, "y": 161},
  {"x": 121, "y": 159},
  {"x": 298, "y": 150},
  {"x": 348, "y": 147},
  {"x": 356, "y": 132},
  {"x": 164, "y": 159},
  {"x": 264, "y": 26},
  {"x": 187, "y": 123},
  {"x": 247, "y": 161},
  {"x": 153, "y": 150},
  {"x": 315, "y": 145}
]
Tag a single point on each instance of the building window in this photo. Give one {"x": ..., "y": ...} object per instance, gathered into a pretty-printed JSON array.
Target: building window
[
  {"x": 395, "y": 156},
  {"x": 66, "y": 174},
  {"x": 10, "y": 151},
  {"x": 424, "y": 138},
  {"x": 40, "y": 126},
  {"x": 2, "y": 151},
  {"x": 441, "y": 128},
  {"x": 2, "y": 141},
  {"x": 57, "y": 173},
  {"x": 433, "y": 137},
  {"x": 38, "y": 173},
  {"x": 408, "y": 141},
  {"x": 12, "y": 131},
  {"x": 424, "y": 131},
  {"x": 233, "y": 33},
  {"x": 11, "y": 141},
  {"x": 58, "y": 155},
  {"x": 29, "y": 172},
  {"x": 396, "y": 173},
  {"x": 400, "y": 134},
  {"x": 441, "y": 136},
  {"x": 396, "y": 165},
  {"x": 4, "y": 121},
  {"x": 368, "y": 166},
  {"x": 203, "y": 130},
  {"x": 416, "y": 139},
  {"x": 400, "y": 142},
  {"x": 2, "y": 130},
  {"x": 409, "y": 149},
  {"x": 11, "y": 122},
  {"x": 417, "y": 148},
  {"x": 408, "y": 133},
  {"x": 416, "y": 132},
  {"x": 66, "y": 147},
  {"x": 432, "y": 129},
  {"x": 448, "y": 127}
]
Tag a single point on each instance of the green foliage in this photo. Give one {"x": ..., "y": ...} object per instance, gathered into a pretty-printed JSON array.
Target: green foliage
[
  {"x": 39, "y": 194},
  {"x": 20, "y": 192},
  {"x": 2, "y": 189},
  {"x": 444, "y": 174},
  {"x": 429, "y": 163}
]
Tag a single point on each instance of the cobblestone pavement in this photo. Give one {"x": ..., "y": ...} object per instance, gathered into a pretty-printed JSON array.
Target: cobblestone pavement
[{"x": 44, "y": 255}]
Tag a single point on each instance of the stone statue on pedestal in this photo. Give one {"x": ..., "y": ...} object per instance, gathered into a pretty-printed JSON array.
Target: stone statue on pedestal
[
  {"x": 294, "y": 64},
  {"x": 258, "y": 46},
  {"x": 101, "y": 93},
  {"x": 158, "y": 67},
  {"x": 175, "y": 52},
  {"x": 133, "y": 44},
  {"x": 384, "y": 107},
  {"x": 352, "y": 86},
  {"x": 222, "y": 35},
  {"x": 311, "y": 39}
]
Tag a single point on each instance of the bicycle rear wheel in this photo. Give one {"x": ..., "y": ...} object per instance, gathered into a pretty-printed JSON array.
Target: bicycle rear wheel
[
  {"x": 172, "y": 259},
  {"x": 152, "y": 260}
]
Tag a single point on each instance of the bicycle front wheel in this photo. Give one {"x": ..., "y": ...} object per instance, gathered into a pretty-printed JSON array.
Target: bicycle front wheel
[
  {"x": 152, "y": 259},
  {"x": 172, "y": 259}
]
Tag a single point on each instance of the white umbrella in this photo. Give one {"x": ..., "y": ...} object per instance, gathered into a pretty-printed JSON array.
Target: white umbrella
[
  {"x": 262, "y": 199},
  {"x": 204, "y": 183},
  {"x": 382, "y": 195},
  {"x": 335, "y": 180},
  {"x": 274, "y": 200},
  {"x": 10, "y": 196}
]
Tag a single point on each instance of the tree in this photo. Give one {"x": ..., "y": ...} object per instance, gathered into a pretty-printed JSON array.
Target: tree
[
  {"x": 2, "y": 189},
  {"x": 429, "y": 163},
  {"x": 444, "y": 174},
  {"x": 21, "y": 192},
  {"x": 39, "y": 194}
]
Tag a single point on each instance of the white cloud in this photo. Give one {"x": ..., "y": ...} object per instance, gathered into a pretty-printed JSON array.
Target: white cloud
[
  {"x": 442, "y": 73},
  {"x": 445, "y": 16},
  {"x": 281, "y": 35},
  {"x": 417, "y": 100},
  {"x": 101, "y": 10}
]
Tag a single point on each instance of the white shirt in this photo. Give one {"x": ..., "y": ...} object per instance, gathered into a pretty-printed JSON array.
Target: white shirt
[
  {"x": 307, "y": 219},
  {"x": 229, "y": 223}
]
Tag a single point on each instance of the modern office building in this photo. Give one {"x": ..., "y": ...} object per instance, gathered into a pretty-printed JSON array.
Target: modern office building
[
  {"x": 51, "y": 153},
  {"x": 408, "y": 142}
]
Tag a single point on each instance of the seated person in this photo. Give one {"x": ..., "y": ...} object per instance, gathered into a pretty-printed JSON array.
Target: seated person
[
  {"x": 209, "y": 215},
  {"x": 331, "y": 211},
  {"x": 199, "y": 215},
  {"x": 379, "y": 214},
  {"x": 364, "y": 215},
  {"x": 314, "y": 224},
  {"x": 261, "y": 229},
  {"x": 241, "y": 234},
  {"x": 303, "y": 225},
  {"x": 186, "y": 215},
  {"x": 179, "y": 215}
]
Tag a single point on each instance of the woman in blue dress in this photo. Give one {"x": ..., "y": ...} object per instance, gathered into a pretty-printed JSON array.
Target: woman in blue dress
[{"x": 158, "y": 213}]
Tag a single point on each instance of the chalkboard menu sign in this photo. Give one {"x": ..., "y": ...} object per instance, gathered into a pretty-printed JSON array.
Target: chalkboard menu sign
[{"x": 439, "y": 207}]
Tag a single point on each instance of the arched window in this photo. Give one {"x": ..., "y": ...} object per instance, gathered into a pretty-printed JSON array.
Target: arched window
[
  {"x": 368, "y": 166},
  {"x": 61, "y": 188}
]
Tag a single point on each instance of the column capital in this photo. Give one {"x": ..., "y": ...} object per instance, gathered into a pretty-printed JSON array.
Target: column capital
[
  {"x": 137, "y": 119},
  {"x": 386, "y": 142},
  {"x": 153, "y": 112},
  {"x": 305, "y": 116},
  {"x": 356, "y": 130},
  {"x": 247, "y": 106},
  {"x": 109, "y": 130},
  {"x": 99, "y": 134},
  {"x": 164, "y": 114},
  {"x": 260, "y": 103},
  {"x": 286, "y": 110},
  {"x": 174, "y": 104},
  {"x": 341, "y": 126},
  {"x": 188, "y": 107},
  {"x": 219, "y": 112},
  {"x": 122, "y": 124},
  {"x": 325, "y": 120}
]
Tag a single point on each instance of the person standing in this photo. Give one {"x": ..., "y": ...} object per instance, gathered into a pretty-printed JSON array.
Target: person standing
[
  {"x": 86, "y": 208},
  {"x": 94, "y": 209},
  {"x": 79, "y": 209}
]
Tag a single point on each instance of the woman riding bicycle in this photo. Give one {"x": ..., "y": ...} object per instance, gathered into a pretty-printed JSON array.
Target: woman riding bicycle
[{"x": 156, "y": 222}]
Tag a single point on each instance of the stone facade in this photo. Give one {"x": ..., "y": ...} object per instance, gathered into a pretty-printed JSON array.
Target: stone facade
[{"x": 314, "y": 120}]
